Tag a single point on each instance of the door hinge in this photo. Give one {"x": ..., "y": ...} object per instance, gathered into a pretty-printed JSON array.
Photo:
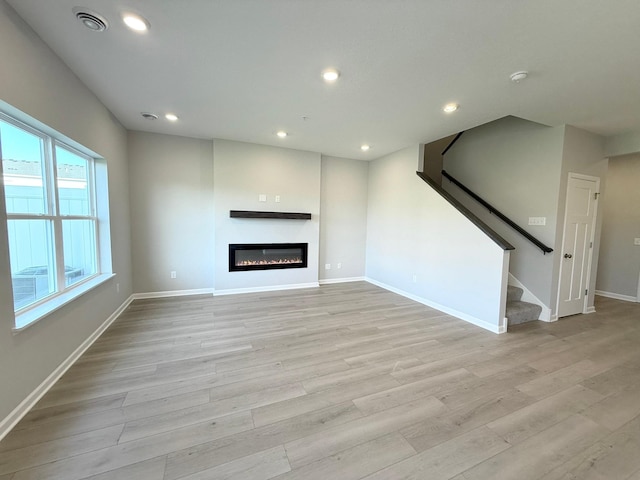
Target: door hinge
[
  {"x": 596, "y": 195},
  {"x": 585, "y": 292},
  {"x": 590, "y": 244}
]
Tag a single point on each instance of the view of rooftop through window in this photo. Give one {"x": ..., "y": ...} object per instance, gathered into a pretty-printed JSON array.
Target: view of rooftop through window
[{"x": 50, "y": 209}]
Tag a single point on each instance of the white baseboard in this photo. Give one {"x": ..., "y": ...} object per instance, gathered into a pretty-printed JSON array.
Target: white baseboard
[
  {"x": 275, "y": 288},
  {"x": 617, "y": 296},
  {"x": 527, "y": 296},
  {"x": 173, "y": 293},
  {"x": 28, "y": 403},
  {"x": 591, "y": 309},
  {"x": 329, "y": 281},
  {"x": 449, "y": 311}
]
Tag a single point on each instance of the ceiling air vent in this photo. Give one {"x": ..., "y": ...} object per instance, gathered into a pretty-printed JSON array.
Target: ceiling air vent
[
  {"x": 92, "y": 20},
  {"x": 149, "y": 116}
]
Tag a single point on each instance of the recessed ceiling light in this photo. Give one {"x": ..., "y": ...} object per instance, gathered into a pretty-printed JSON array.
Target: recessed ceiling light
[
  {"x": 281, "y": 134},
  {"x": 451, "y": 107},
  {"x": 330, "y": 75},
  {"x": 92, "y": 20},
  {"x": 517, "y": 77},
  {"x": 135, "y": 22},
  {"x": 149, "y": 116},
  {"x": 365, "y": 148},
  {"x": 171, "y": 117}
]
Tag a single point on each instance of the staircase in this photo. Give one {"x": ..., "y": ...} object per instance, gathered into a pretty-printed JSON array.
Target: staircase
[{"x": 519, "y": 311}]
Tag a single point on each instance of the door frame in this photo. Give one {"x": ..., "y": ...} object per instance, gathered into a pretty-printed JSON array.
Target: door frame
[{"x": 580, "y": 176}]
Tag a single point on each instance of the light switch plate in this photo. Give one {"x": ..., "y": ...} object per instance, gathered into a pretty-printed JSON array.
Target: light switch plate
[{"x": 537, "y": 220}]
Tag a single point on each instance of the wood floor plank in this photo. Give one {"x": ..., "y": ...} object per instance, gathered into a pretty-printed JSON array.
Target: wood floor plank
[
  {"x": 616, "y": 409},
  {"x": 67, "y": 426},
  {"x": 432, "y": 431},
  {"x": 447, "y": 459},
  {"x": 40, "y": 415},
  {"x": 100, "y": 461},
  {"x": 216, "y": 452},
  {"x": 526, "y": 422},
  {"x": 258, "y": 466},
  {"x": 356, "y": 462},
  {"x": 42, "y": 453},
  {"x": 561, "y": 379},
  {"x": 355, "y": 374},
  {"x": 393, "y": 397},
  {"x": 540, "y": 453},
  {"x": 331, "y": 441},
  {"x": 307, "y": 403},
  {"x": 342, "y": 381},
  {"x": 148, "y": 470}
]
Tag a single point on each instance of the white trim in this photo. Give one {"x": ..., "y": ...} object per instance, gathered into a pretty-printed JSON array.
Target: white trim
[
  {"x": 589, "y": 310},
  {"x": 173, "y": 293},
  {"x": 33, "y": 315},
  {"x": 528, "y": 296},
  {"x": 329, "y": 281},
  {"x": 617, "y": 296},
  {"x": 28, "y": 403},
  {"x": 449, "y": 311},
  {"x": 275, "y": 288}
]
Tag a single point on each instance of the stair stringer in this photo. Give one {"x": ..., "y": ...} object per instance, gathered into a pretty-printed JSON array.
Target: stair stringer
[{"x": 527, "y": 296}]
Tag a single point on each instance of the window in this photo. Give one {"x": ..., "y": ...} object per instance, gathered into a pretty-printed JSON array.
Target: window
[{"x": 49, "y": 190}]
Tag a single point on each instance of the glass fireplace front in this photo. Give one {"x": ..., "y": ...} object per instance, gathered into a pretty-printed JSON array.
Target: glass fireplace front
[{"x": 266, "y": 256}]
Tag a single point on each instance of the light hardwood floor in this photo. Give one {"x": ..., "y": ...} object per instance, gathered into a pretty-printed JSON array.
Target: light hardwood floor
[{"x": 340, "y": 382}]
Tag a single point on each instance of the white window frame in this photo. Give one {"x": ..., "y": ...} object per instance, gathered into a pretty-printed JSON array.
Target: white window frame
[{"x": 63, "y": 294}]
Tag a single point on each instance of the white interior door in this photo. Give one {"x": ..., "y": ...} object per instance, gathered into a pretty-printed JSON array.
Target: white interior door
[{"x": 577, "y": 243}]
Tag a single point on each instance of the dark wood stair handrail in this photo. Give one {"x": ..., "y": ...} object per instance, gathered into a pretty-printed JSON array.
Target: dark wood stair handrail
[{"x": 545, "y": 249}]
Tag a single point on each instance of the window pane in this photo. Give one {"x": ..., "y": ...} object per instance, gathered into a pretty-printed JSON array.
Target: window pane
[
  {"x": 73, "y": 183},
  {"x": 79, "y": 249},
  {"x": 22, "y": 163},
  {"x": 32, "y": 261}
]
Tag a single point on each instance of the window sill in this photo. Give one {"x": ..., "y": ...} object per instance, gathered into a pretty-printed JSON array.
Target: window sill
[{"x": 32, "y": 316}]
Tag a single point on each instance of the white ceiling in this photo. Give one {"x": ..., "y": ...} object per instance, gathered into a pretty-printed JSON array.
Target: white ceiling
[{"x": 243, "y": 69}]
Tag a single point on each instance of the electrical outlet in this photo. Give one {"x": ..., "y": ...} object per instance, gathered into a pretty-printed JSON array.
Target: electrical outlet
[
  {"x": 117, "y": 288},
  {"x": 174, "y": 274},
  {"x": 636, "y": 241},
  {"x": 327, "y": 266},
  {"x": 277, "y": 198},
  {"x": 262, "y": 197},
  {"x": 339, "y": 265},
  {"x": 415, "y": 278}
]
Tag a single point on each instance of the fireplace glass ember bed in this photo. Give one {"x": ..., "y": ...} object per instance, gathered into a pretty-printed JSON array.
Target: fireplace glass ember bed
[{"x": 266, "y": 256}]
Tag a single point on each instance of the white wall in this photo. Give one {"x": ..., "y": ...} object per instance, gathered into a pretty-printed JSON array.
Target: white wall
[
  {"x": 619, "y": 265},
  {"x": 514, "y": 165},
  {"x": 171, "y": 212},
  {"x": 36, "y": 82},
  {"x": 343, "y": 217},
  {"x": 412, "y": 230},
  {"x": 243, "y": 171},
  {"x": 623, "y": 144}
]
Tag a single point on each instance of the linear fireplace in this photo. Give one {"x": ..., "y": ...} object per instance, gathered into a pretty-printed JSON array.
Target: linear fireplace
[{"x": 266, "y": 256}]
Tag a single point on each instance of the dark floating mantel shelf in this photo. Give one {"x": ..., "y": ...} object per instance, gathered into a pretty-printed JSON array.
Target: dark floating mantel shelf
[{"x": 256, "y": 214}]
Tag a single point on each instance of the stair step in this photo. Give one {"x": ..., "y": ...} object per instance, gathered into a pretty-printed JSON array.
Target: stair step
[
  {"x": 520, "y": 312},
  {"x": 514, "y": 294}
]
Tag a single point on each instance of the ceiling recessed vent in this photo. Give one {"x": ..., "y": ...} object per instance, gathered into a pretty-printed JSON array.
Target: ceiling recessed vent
[
  {"x": 92, "y": 20},
  {"x": 149, "y": 116}
]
